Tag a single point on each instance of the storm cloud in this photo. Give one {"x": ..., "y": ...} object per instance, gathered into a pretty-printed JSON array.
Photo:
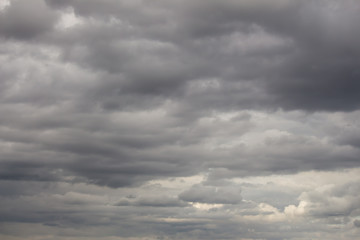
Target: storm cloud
[{"x": 185, "y": 119}]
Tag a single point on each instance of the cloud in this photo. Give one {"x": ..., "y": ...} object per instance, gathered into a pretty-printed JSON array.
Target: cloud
[
  {"x": 211, "y": 195},
  {"x": 288, "y": 61},
  {"x": 153, "y": 202},
  {"x": 180, "y": 105},
  {"x": 22, "y": 20},
  {"x": 356, "y": 223},
  {"x": 333, "y": 201}
]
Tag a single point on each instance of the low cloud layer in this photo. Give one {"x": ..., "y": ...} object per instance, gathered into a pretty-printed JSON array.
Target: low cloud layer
[{"x": 179, "y": 119}]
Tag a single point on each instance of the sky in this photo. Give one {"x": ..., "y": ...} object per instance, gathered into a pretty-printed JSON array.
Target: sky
[{"x": 179, "y": 119}]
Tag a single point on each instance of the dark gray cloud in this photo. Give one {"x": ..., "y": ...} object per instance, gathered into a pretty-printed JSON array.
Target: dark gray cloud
[
  {"x": 117, "y": 64},
  {"x": 304, "y": 55},
  {"x": 25, "y": 20},
  {"x": 284, "y": 154},
  {"x": 212, "y": 195},
  {"x": 162, "y": 201},
  {"x": 179, "y": 104},
  {"x": 357, "y": 223}
]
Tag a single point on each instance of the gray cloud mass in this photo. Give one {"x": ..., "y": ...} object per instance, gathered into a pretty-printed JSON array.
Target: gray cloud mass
[{"x": 199, "y": 119}]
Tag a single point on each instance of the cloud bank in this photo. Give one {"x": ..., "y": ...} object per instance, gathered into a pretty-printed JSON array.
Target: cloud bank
[{"x": 179, "y": 119}]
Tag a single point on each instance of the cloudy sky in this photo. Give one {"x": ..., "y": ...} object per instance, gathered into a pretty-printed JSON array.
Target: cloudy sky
[{"x": 179, "y": 119}]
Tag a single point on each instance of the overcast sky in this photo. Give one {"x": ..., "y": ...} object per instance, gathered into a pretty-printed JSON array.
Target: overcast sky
[{"x": 179, "y": 119}]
